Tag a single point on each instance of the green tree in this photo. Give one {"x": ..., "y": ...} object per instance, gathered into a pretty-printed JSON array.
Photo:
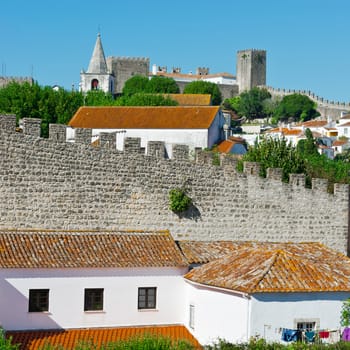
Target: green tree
[
  {"x": 159, "y": 84},
  {"x": 251, "y": 103},
  {"x": 142, "y": 99},
  {"x": 136, "y": 84},
  {"x": 98, "y": 98},
  {"x": 204, "y": 87},
  {"x": 295, "y": 107},
  {"x": 232, "y": 103},
  {"x": 307, "y": 147},
  {"x": 271, "y": 153}
]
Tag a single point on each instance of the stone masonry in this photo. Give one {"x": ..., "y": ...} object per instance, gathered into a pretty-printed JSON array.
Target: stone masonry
[{"x": 51, "y": 184}]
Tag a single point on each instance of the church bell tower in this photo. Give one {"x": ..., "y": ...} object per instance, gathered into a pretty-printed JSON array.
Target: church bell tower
[{"x": 97, "y": 77}]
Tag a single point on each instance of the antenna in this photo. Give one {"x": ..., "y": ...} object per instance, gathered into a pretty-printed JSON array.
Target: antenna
[{"x": 99, "y": 29}]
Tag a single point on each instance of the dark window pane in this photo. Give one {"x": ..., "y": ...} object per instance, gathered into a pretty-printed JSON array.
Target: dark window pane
[
  {"x": 93, "y": 300},
  {"x": 147, "y": 298},
  {"x": 38, "y": 300}
]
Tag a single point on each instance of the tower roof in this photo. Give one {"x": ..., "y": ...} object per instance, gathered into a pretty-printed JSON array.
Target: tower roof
[{"x": 98, "y": 61}]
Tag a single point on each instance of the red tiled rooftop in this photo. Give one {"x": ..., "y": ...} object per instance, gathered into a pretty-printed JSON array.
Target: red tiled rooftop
[
  {"x": 314, "y": 123},
  {"x": 277, "y": 267},
  {"x": 88, "y": 249},
  {"x": 174, "y": 117},
  {"x": 339, "y": 143},
  {"x": 68, "y": 339}
]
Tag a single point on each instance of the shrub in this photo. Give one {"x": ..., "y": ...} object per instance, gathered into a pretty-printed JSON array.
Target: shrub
[{"x": 178, "y": 200}]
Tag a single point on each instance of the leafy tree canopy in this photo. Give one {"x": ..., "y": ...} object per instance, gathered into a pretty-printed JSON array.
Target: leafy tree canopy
[
  {"x": 135, "y": 84},
  {"x": 232, "y": 103},
  {"x": 275, "y": 153},
  {"x": 204, "y": 87},
  {"x": 33, "y": 101},
  {"x": 142, "y": 99},
  {"x": 251, "y": 103},
  {"x": 159, "y": 84},
  {"x": 295, "y": 107}
]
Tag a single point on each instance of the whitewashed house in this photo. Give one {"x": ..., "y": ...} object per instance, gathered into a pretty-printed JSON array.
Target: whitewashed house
[
  {"x": 91, "y": 284},
  {"x": 194, "y": 126},
  {"x": 63, "y": 280},
  {"x": 264, "y": 290}
]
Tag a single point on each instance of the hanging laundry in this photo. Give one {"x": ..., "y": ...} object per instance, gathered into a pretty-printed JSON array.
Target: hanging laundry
[
  {"x": 289, "y": 335},
  {"x": 324, "y": 334},
  {"x": 346, "y": 334},
  {"x": 309, "y": 336}
]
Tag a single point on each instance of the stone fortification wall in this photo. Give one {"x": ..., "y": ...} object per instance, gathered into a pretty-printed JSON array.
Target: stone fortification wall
[
  {"x": 47, "y": 183},
  {"x": 326, "y": 108},
  {"x": 4, "y": 81}
]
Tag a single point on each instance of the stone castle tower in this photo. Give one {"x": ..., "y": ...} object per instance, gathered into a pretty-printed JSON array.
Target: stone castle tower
[
  {"x": 251, "y": 69},
  {"x": 98, "y": 76}
]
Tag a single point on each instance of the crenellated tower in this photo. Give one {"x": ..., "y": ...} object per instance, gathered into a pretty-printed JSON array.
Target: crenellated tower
[{"x": 250, "y": 69}]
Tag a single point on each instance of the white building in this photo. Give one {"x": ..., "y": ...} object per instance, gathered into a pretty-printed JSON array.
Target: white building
[
  {"x": 263, "y": 289},
  {"x": 52, "y": 280},
  {"x": 194, "y": 126},
  {"x": 60, "y": 280}
]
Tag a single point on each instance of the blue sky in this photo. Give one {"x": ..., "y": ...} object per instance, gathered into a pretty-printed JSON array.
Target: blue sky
[{"x": 307, "y": 41}]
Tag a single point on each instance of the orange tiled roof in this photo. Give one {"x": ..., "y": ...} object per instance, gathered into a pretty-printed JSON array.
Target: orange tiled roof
[
  {"x": 174, "y": 117},
  {"x": 68, "y": 339},
  {"x": 226, "y": 145},
  {"x": 88, "y": 249},
  {"x": 345, "y": 124},
  {"x": 339, "y": 143},
  {"x": 285, "y": 131},
  {"x": 315, "y": 123},
  {"x": 191, "y": 99},
  {"x": 201, "y": 252},
  {"x": 277, "y": 267}
]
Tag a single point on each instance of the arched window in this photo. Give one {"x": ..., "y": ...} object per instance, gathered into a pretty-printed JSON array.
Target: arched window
[{"x": 94, "y": 84}]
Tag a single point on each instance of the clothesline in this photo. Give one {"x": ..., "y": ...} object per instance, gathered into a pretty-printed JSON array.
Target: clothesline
[{"x": 323, "y": 335}]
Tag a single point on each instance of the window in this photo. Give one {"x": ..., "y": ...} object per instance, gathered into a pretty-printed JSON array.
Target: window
[
  {"x": 306, "y": 326},
  {"x": 38, "y": 300},
  {"x": 147, "y": 298},
  {"x": 191, "y": 322},
  {"x": 93, "y": 300}
]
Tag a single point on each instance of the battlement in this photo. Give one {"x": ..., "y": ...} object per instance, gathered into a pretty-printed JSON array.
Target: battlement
[
  {"x": 48, "y": 183},
  {"x": 156, "y": 149},
  {"x": 8, "y": 79},
  {"x": 130, "y": 59},
  {"x": 319, "y": 100}
]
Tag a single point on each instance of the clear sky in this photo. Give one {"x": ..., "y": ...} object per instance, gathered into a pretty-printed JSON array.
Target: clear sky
[{"x": 307, "y": 41}]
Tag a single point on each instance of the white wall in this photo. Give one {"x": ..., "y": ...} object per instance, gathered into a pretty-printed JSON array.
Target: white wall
[
  {"x": 272, "y": 311},
  {"x": 191, "y": 137},
  {"x": 218, "y": 314},
  {"x": 66, "y": 297}
]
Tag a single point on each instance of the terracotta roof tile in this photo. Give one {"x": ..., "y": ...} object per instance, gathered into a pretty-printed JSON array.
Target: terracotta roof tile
[
  {"x": 88, "y": 249},
  {"x": 345, "y": 124},
  {"x": 201, "y": 252},
  {"x": 285, "y": 131},
  {"x": 315, "y": 123},
  {"x": 339, "y": 143},
  {"x": 277, "y": 267},
  {"x": 175, "y": 117},
  {"x": 191, "y": 99},
  {"x": 68, "y": 339}
]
